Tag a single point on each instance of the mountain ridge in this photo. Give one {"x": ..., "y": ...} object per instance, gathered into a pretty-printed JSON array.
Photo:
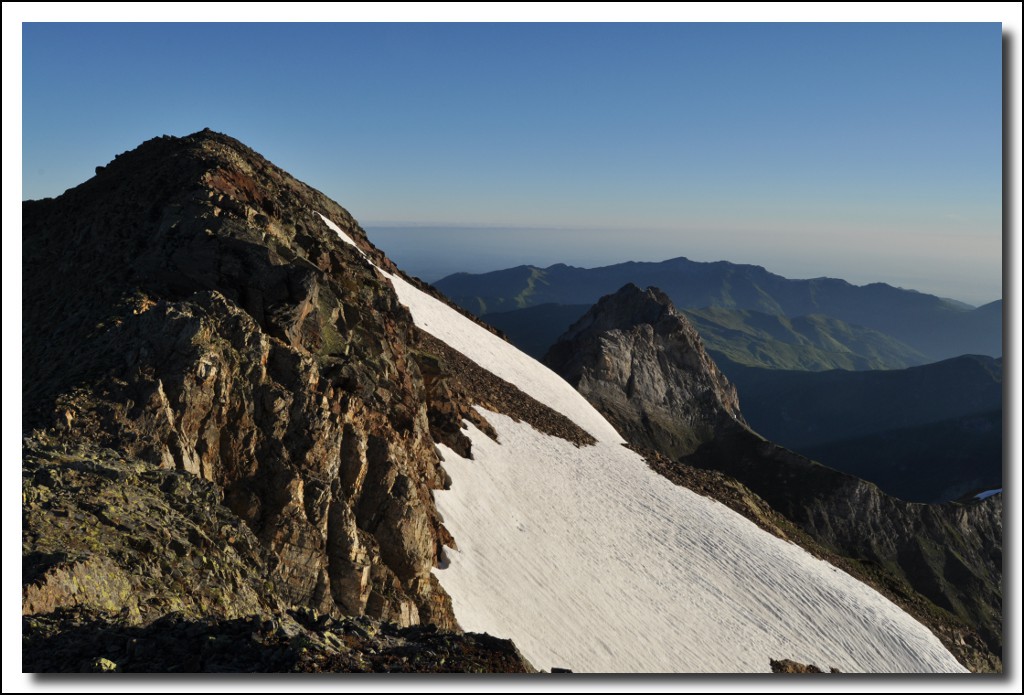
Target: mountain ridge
[
  {"x": 936, "y": 327},
  {"x": 684, "y": 260}
]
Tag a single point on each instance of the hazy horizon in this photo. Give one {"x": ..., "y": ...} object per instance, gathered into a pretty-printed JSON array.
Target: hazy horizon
[
  {"x": 865, "y": 151},
  {"x": 433, "y": 252}
]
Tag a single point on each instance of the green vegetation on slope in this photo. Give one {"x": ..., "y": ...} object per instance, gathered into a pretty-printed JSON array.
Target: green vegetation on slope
[{"x": 812, "y": 342}]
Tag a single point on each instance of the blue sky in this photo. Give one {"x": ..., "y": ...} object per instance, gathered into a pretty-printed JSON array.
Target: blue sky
[{"x": 865, "y": 151}]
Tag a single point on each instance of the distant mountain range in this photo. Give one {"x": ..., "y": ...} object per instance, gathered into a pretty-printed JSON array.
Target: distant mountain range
[
  {"x": 869, "y": 380},
  {"x": 934, "y": 327},
  {"x": 886, "y": 423}
]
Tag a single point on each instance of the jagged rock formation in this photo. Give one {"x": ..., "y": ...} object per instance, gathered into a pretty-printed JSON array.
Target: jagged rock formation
[
  {"x": 638, "y": 361},
  {"x": 189, "y": 309},
  {"x": 644, "y": 366}
]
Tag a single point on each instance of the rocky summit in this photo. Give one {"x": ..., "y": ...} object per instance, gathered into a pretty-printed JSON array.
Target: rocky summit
[
  {"x": 227, "y": 411},
  {"x": 642, "y": 364}
]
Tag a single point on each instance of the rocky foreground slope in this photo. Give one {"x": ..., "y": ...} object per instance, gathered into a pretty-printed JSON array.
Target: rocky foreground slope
[
  {"x": 134, "y": 568},
  {"x": 245, "y": 427},
  {"x": 643, "y": 365}
]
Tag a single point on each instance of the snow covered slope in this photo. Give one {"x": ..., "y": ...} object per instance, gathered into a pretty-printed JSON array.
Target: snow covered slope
[{"x": 589, "y": 560}]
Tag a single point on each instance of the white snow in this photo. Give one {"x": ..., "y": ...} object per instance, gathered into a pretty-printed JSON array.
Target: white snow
[
  {"x": 988, "y": 493},
  {"x": 502, "y": 359},
  {"x": 589, "y": 560},
  {"x": 337, "y": 230}
]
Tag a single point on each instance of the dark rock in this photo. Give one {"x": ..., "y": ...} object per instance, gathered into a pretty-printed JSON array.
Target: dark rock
[
  {"x": 789, "y": 666},
  {"x": 642, "y": 364},
  {"x": 65, "y": 641}
]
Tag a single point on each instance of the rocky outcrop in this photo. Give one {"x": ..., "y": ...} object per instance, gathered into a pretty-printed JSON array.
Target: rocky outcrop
[
  {"x": 295, "y": 642},
  {"x": 790, "y": 666},
  {"x": 642, "y": 364},
  {"x": 188, "y": 308},
  {"x": 107, "y": 534}
]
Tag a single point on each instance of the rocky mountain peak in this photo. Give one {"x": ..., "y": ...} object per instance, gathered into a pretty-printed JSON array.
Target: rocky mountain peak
[
  {"x": 644, "y": 366},
  {"x": 629, "y": 307},
  {"x": 190, "y": 308}
]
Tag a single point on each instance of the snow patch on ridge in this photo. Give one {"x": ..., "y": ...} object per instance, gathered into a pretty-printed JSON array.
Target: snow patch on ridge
[
  {"x": 337, "y": 230},
  {"x": 502, "y": 359},
  {"x": 495, "y": 355}
]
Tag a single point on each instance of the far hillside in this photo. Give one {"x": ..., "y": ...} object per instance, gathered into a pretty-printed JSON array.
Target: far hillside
[
  {"x": 924, "y": 434},
  {"x": 746, "y": 337},
  {"x": 799, "y": 409},
  {"x": 934, "y": 327},
  {"x": 915, "y": 463}
]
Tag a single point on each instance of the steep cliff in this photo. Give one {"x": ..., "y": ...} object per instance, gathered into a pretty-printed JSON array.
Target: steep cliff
[{"x": 644, "y": 366}]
